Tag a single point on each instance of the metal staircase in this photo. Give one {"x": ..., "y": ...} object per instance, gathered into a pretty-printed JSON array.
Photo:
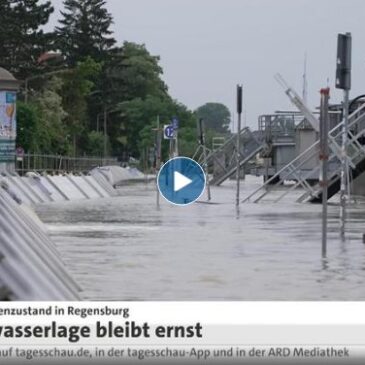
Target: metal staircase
[
  {"x": 224, "y": 158},
  {"x": 296, "y": 169}
]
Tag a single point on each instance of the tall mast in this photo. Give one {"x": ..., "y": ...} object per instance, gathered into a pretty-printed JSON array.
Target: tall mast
[{"x": 305, "y": 83}]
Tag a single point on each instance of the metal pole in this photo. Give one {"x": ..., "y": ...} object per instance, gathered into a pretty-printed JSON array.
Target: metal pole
[
  {"x": 171, "y": 148},
  {"x": 105, "y": 132},
  {"x": 176, "y": 153},
  {"x": 202, "y": 142},
  {"x": 343, "y": 81},
  {"x": 344, "y": 164},
  {"x": 238, "y": 142},
  {"x": 323, "y": 157},
  {"x": 158, "y": 158},
  {"x": 26, "y": 91}
]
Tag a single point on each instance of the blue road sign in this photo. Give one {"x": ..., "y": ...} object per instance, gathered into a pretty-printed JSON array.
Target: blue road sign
[
  {"x": 181, "y": 181},
  {"x": 175, "y": 123},
  {"x": 168, "y": 132}
]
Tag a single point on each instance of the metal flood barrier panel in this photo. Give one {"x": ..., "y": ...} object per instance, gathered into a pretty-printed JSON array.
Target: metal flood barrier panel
[{"x": 30, "y": 266}]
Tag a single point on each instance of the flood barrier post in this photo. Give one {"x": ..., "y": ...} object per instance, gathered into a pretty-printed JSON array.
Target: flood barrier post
[
  {"x": 323, "y": 158},
  {"x": 343, "y": 81},
  {"x": 158, "y": 158},
  {"x": 238, "y": 145},
  {"x": 105, "y": 139},
  {"x": 202, "y": 143}
]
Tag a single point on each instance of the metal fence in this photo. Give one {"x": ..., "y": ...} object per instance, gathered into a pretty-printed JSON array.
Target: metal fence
[{"x": 60, "y": 164}]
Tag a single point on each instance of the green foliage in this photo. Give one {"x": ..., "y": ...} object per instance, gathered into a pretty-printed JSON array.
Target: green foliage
[
  {"x": 52, "y": 137},
  {"x": 95, "y": 143},
  {"x": 27, "y": 125},
  {"x": 139, "y": 118},
  {"x": 216, "y": 116},
  {"x": 128, "y": 72},
  {"x": 84, "y": 30},
  {"x": 187, "y": 141},
  {"x": 64, "y": 109},
  {"x": 77, "y": 85},
  {"x": 132, "y": 90},
  {"x": 22, "y": 39},
  {"x": 40, "y": 124},
  {"x": 138, "y": 72}
]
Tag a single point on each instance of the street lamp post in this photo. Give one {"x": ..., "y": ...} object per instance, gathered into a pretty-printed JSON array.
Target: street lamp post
[
  {"x": 105, "y": 114},
  {"x": 105, "y": 134}
]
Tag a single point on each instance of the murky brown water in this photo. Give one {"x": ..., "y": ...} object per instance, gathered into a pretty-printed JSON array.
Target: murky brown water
[{"x": 125, "y": 249}]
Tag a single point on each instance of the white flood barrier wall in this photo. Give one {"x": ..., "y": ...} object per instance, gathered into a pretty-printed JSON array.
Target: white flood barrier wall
[
  {"x": 66, "y": 186},
  {"x": 55, "y": 193},
  {"x": 84, "y": 186},
  {"x": 25, "y": 189},
  {"x": 103, "y": 181},
  {"x": 28, "y": 188},
  {"x": 94, "y": 183},
  {"x": 35, "y": 182},
  {"x": 25, "y": 198},
  {"x": 36, "y": 189},
  {"x": 33, "y": 190},
  {"x": 78, "y": 185},
  {"x": 30, "y": 267}
]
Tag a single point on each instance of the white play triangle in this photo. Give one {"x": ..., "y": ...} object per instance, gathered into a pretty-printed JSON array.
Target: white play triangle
[{"x": 180, "y": 181}]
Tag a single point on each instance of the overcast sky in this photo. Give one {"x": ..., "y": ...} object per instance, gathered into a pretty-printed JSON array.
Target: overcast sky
[{"x": 208, "y": 46}]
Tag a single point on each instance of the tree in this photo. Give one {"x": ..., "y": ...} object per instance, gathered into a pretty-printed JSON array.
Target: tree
[
  {"x": 77, "y": 86},
  {"x": 139, "y": 118},
  {"x": 84, "y": 30},
  {"x": 27, "y": 124},
  {"x": 129, "y": 72},
  {"x": 130, "y": 79},
  {"x": 22, "y": 39},
  {"x": 52, "y": 136},
  {"x": 216, "y": 116},
  {"x": 95, "y": 146},
  {"x": 136, "y": 72}
]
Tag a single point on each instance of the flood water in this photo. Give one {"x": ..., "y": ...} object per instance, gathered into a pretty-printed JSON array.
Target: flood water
[{"x": 125, "y": 248}]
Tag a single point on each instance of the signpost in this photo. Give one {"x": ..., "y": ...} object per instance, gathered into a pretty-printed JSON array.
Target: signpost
[
  {"x": 170, "y": 132},
  {"x": 175, "y": 148},
  {"x": 175, "y": 123}
]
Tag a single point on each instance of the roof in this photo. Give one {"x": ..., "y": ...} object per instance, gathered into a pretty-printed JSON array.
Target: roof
[{"x": 6, "y": 75}]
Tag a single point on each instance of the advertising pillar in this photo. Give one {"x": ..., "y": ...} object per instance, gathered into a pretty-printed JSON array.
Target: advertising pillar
[{"x": 8, "y": 92}]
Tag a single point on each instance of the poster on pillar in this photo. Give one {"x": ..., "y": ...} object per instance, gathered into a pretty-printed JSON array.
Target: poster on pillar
[
  {"x": 7, "y": 114},
  {"x": 7, "y": 125}
]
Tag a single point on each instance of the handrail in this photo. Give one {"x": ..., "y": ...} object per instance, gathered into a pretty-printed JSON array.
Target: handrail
[{"x": 334, "y": 133}]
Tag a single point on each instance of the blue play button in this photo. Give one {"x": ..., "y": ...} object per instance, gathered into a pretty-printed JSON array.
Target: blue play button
[{"x": 181, "y": 181}]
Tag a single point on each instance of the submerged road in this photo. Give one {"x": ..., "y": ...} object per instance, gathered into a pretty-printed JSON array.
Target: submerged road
[{"x": 123, "y": 248}]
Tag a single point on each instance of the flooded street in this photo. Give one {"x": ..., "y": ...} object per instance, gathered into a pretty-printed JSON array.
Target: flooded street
[{"x": 125, "y": 248}]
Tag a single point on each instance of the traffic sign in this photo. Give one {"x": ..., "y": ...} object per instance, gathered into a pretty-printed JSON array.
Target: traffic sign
[
  {"x": 168, "y": 132},
  {"x": 175, "y": 123}
]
